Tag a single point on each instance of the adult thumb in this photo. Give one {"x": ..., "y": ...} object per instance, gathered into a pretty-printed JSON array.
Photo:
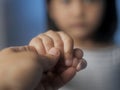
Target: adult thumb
[{"x": 51, "y": 59}]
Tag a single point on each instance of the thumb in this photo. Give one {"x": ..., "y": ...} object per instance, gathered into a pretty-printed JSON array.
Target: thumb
[{"x": 51, "y": 59}]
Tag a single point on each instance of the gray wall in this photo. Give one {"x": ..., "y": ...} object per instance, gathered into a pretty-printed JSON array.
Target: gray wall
[{"x": 2, "y": 28}]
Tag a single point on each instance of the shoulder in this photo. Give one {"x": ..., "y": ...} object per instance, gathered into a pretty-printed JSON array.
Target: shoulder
[{"x": 116, "y": 50}]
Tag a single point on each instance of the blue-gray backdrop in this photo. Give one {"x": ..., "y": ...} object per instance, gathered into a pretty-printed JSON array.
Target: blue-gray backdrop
[
  {"x": 24, "y": 20},
  {"x": 27, "y": 18}
]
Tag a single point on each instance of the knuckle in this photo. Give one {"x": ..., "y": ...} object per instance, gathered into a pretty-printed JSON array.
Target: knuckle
[
  {"x": 49, "y": 41},
  {"x": 69, "y": 40},
  {"x": 67, "y": 37},
  {"x": 35, "y": 40},
  {"x": 45, "y": 37},
  {"x": 10, "y": 49},
  {"x": 40, "y": 35},
  {"x": 61, "y": 32},
  {"x": 50, "y": 31},
  {"x": 68, "y": 54}
]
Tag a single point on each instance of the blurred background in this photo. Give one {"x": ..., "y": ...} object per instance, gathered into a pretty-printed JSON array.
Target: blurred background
[{"x": 20, "y": 20}]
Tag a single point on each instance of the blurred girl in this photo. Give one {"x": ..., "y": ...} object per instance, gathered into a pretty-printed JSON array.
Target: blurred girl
[{"x": 92, "y": 25}]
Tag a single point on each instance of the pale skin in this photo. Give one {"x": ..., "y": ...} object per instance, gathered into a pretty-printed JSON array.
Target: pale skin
[
  {"x": 47, "y": 63},
  {"x": 78, "y": 18}
]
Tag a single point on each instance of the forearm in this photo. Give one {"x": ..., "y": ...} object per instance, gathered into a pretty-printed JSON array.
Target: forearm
[{"x": 4, "y": 86}]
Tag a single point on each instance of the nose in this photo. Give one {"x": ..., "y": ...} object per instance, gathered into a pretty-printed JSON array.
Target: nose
[{"x": 77, "y": 9}]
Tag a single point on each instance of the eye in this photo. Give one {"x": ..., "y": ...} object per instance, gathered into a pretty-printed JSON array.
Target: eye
[{"x": 90, "y": 1}]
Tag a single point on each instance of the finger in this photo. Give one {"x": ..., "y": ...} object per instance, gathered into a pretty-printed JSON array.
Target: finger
[
  {"x": 58, "y": 43},
  {"x": 47, "y": 86},
  {"x": 82, "y": 65},
  {"x": 64, "y": 77},
  {"x": 68, "y": 47},
  {"x": 47, "y": 42},
  {"x": 68, "y": 74},
  {"x": 51, "y": 59},
  {"x": 40, "y": 87},
  {"x": 78, "y": 53},
  {"x": 18, "y": 49},
  {"x": 38, "y": 45},
  {"x": 75, "y": 62}
]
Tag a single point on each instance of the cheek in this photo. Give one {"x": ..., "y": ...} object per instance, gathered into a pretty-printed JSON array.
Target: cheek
[{"x": 94, "y": 18}]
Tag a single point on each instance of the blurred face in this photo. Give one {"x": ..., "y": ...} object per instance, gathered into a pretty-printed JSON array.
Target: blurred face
[{"x": 79, "y": 18}]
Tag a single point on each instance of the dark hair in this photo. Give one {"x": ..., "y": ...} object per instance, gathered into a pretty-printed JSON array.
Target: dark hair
[{"x": 107, "y": 29}]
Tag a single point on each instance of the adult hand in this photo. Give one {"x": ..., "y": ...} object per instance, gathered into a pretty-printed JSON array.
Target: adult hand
[
  {"x": 21, "y": 68},
  {"x": 69, "y": 63}
]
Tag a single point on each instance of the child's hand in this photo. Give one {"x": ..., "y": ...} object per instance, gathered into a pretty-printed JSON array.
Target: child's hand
[{"x": 69, "y": 62}]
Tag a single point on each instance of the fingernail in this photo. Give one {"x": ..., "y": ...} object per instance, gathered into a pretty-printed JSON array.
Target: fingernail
[
  {"x": 78, "y": 68},
  {"x": 68, "y": 62},
  {"x": 54, "y": 52},
  {"x": 78, "y": 53},
  {"x": 82, "y": 65}
]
